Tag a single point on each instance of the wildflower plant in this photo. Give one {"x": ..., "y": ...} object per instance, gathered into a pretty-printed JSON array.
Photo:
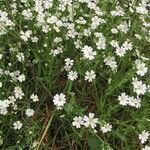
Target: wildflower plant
[{"x": 74, "y": 74}]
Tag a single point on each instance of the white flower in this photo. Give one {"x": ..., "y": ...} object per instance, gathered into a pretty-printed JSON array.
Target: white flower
[
  {"x": 141, "y": 68},
  {"x": 88, "y": 52},
  {"x": 90, "y": 120},
  {"x": 25, "y": 35},
  {"x": 114, "y": 43},
  {"x": 34, "y": 97},
  {"x": 146, "y": 148},
  {"x": 21, "y": 78},
  {"x": 3, "y": 106},
  {"x": 17, "y": 125},
  {"x": 106, "y": 128},
  {"x": 35, "y": 144},
  {"x": 52, "y": 19},
  {"x": 34, "y": 39},
  {"x": 114, "y": 30},
  {"x": 1, "y": 84},
  {"x": 127, "y": 46},
  {"x": 12, "y": 99},
  {"x": 89, "y": 76},
  {"x": 110, "y": 61},
  {"x": 141, "y": 9},
  {"x": 120, "y": 51},
  {"x": 20, "y": 57},
  {"x": 72, "y": 75},
  {"x": 123, "y": 99},
  {"x": 59, "y": 100},
  {"x": 123, "y": 27},
  {"x": 144, "y": 136},
  {"x": 118, "y": 12},
  {"x": 68, "y": 61},
  {"x": 27, "y": 14},
  {"x": 18, "y": 92},
  {"x": 1, "y": 56},
  {"x": 78, "y": 121},
  {"x": 134, "y": 102},
  {"x": 29, "y": 112},
  {"x": 101, "y": 43},
  {"x": 139, "y": 87}
]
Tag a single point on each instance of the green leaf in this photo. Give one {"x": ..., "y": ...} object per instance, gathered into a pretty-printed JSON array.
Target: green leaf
[
  {"x": 95, "y": 144},
  {"x": 98, "y": 144}
]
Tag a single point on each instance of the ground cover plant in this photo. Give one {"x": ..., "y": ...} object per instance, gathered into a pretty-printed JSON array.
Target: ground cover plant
[{"x": 74, "y": 75}]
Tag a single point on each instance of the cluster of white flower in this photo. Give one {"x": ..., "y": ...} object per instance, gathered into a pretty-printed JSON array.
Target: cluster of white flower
[
  {"x": 90, "y": 121},
  {"x": 125, "y": 100},
  {"x": 87, "y": 121},
  {"x": 5, "y": 22},
  {"x": 146, "y": 148},
  {"x": 57, "y": 51},
  {"x": 4, "y": 104},
  {"x": 121, "y": 50},
  {"x": 141, "y": 8},
  {"x": 15, "y": 76},
  {"x": 27, "y": 14},
  {"x": 18, "y": 92},
  {"x": 68, "y": 64},
  {"x": 64, "y": 29},
  {"x": 96, "y": 21},
  {"x": 101, "y": 43},
  {"x": 118, "y": 12},
  {"x": 123, "y": 27}
]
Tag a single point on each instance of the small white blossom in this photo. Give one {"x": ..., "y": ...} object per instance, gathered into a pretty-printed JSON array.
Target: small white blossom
[
  {"x": 141, "y": 68},
  {"x": 90, "y": 121},
  {"x": 18, "y": 92},
  {"x": 123, "y": 99},
  {"x": 17, "y": 125},
  {"x": 90, "y": 75},
  {"x": 21, "y": 78},
  {"x": 144, "y": 136},
  {"x": 20, "y": 57},
  {"x": 110, "y": 61},
  {"x": 25, "y": 35},
  {"x": 34, "y": 98},
  {"x": 72, "y": 75},
  {"x": 1, "y": 84},
  {"x": 78, "y": 121},
  {"x": 59, "y": 100},
  {"x": 106, "y": 128},
  {"x": 139, "y": 87},
  {"x": 29, "y": 112},
  {"x": 88, "y": 52},
  {"x": 114, "y": 30},
  {"x": 146, "y": 148}
]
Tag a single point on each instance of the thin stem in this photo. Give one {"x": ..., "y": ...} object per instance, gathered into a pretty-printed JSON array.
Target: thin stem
[{"x": 45, "y": 131}]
